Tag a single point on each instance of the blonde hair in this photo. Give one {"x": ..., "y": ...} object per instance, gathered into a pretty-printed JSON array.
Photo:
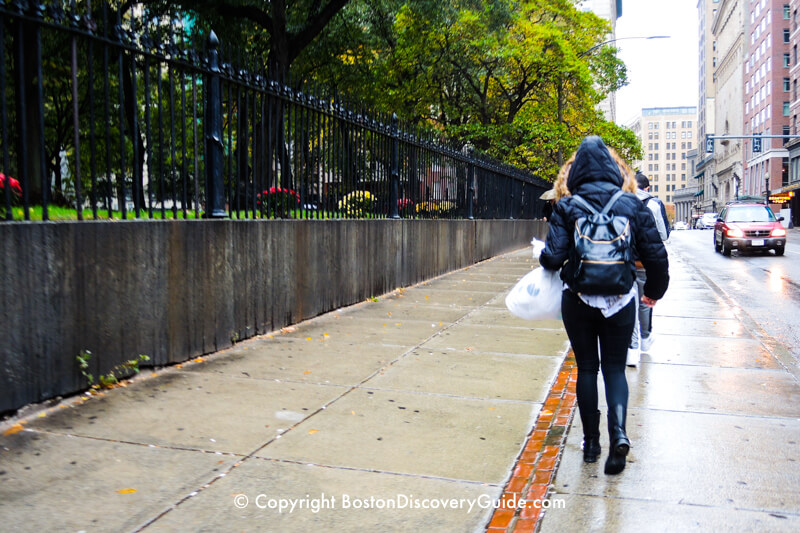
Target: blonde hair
[{"x": 628, "y": 175}]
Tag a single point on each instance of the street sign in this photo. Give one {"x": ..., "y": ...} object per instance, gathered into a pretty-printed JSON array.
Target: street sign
[
  {"x": 756, "y": 144},
  {"x": 709, "y": 144}
]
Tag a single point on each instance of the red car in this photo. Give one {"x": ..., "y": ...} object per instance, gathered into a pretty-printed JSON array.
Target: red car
[{"x": 748, "y": 226}]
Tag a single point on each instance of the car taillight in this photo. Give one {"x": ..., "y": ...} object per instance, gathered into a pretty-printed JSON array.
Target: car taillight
[
  {"x": 778, "y": 232},
  {"x": 735, "y": 233}
]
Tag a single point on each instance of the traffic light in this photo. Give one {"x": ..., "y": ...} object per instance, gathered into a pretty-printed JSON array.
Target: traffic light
[
  {"x": 709, "y": 144},
  {"x": 756, "y": 144}
]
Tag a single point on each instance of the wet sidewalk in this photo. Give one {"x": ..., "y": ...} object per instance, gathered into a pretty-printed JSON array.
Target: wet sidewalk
[
  {"x": 714, "y": 421},
  {"x": 418, "y": 412}
]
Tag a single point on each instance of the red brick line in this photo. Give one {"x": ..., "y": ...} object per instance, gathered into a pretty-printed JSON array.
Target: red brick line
[{"x": 536, "y": 465}]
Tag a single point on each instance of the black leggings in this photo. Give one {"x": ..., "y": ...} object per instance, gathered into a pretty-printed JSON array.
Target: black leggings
[{"x": 585, "y": 325}]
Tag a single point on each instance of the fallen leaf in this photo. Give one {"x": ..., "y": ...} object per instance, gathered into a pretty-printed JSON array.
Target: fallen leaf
[
  {"x": 178, "y": 366},
  {"x": 126, "y": 491},
  {"x": 397, "y": 324},
  {"x": 308, "y": 338},
  {"x": 153, "y": 375},
  {"x": 307, "y": 372},
  {"x": 353, "y": 412},
  {"x": 427, "y": 297},
  {"x": 312, "y": 431},
  {"x": 41, "y": 415},
  {"x": 325, "y": 335},
  {"x": 198, "y": 359},
  {"x": 16, "y": 428}
]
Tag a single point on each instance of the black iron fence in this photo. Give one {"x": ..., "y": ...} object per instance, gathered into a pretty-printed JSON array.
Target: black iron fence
[{"x": 112, "y": 115}]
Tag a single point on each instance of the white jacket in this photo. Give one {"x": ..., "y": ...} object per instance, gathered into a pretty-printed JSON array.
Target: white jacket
[{"x": 653, "y": 204}]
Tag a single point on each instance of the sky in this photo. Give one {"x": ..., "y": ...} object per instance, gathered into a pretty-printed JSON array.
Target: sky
[{"x": 661, "y": 72}]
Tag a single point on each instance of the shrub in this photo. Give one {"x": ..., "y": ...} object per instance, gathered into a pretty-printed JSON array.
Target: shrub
[
  {"x": 427, "y": 209},
  {"x": 277, "y": 201},
  {"x": 405, "y": 207},
  {"x": 357, "y": 203},
  {"x": 16, "y": 192}
]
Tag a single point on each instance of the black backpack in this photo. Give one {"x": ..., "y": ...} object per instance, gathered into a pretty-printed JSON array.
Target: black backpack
[{"x": 603, "y": 252}]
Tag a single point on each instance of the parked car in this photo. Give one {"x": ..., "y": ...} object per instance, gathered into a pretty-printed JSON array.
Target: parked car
[
  {"x": 681, "y": 225},
  {"x": 706, "y": 221},
  {"x": 749, "y": 226}
]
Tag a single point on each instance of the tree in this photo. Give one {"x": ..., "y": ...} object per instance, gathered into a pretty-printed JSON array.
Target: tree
[
  {"x": 513, "y": 78},
  {"x": 281, "y": 29}
]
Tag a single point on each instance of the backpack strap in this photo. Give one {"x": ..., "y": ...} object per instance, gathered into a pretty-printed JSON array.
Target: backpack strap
[
  {"x": 585, "y": 204},
  {"x": 607, "y": 207},
  {"x": 612, "y": 201}
]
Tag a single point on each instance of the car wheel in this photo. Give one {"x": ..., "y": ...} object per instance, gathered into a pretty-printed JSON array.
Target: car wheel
[
  {"x": 726, "y": 249},
  {"x": 717, "y": 247},
  {"x": 779, "y": 251}
]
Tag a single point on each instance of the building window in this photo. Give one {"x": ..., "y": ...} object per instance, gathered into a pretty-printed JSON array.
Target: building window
[
  {"x": 787, "y": 59},
  {"x": 655, "y": 188},
  {"x": 786, "y": 12},
  {"x": 786, "y": 109},
  {"x": 787, "y": 85}
]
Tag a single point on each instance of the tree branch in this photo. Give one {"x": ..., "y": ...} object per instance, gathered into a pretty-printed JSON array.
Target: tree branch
[{"x": 313, "y": 26}]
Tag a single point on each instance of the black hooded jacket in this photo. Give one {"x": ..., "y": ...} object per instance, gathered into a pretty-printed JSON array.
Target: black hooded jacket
[{"x": 595, "y": 176}]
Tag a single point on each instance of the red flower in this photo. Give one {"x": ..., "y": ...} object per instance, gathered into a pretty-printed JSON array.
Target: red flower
[{"x": 16, "y": 188}]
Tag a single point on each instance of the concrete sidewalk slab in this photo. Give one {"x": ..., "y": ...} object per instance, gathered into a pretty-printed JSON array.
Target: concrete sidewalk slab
[
  {"x": 471, "y": 375},
  {"x": 401, "y": 432},
  {"x": 715, "y": 390},
  {"x": 264, "y": 481},
  {"x": 695, "y": 459},
  {"x": 198, "y": 411},
  {"x": 330, "y": 362},
  {"x": 65, "y": 483},
  {"x": 740, "y": 352},
  {"x": 501, "y": 339}
]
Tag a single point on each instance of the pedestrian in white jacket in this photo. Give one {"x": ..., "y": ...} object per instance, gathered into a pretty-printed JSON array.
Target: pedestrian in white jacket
[{"x": 642, "y": 338}]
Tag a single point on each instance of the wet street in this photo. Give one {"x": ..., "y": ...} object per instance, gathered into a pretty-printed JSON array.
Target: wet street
[{"x": 764, "y": 286}]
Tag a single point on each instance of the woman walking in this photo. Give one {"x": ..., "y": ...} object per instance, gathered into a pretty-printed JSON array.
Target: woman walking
[{"x": 604, "y": 319}]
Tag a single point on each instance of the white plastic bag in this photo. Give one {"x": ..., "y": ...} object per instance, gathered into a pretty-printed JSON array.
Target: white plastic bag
[
  {"x": 538, "y": 246},
  {"x": 537, "y": 296}
]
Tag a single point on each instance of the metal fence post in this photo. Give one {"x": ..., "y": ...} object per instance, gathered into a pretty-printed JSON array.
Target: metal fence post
[
  {"x": 470, "y": 183},
  {"x": 395, "y": 169},
  {"x": 511, "y": 198},
  {"x": 215, "y": 186}
]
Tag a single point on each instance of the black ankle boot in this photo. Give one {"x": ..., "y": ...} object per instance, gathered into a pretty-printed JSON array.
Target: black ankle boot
[
  {"x": 619, "y": 443},
  {"x": 591, "y": 437}
]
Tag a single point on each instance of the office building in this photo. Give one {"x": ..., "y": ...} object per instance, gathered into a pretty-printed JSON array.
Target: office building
[{"x": 667, "y": 135}]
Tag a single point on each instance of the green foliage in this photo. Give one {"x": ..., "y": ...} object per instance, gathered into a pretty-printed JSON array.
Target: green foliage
[
  {"x": 122, "y": 370},
  {"x": 519, "y": 80}
]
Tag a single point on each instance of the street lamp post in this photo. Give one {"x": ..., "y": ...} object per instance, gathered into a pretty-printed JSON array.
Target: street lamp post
[{"x": 560, "y": 94}]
